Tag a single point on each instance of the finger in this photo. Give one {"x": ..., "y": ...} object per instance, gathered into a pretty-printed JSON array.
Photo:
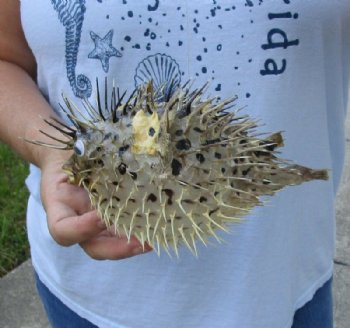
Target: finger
[
  {"x": 67, "y": 228},
  {"x": 113, "y": 248},
  {"x": 59, "y": 189},
  {"x": 76, "y": 197}
]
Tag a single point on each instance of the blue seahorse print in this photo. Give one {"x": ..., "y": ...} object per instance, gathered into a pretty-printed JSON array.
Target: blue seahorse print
[{"x": 71, "y": 15}]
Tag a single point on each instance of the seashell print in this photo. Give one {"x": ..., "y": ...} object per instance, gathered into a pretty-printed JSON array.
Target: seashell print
[{"x": 163, "y": 71}]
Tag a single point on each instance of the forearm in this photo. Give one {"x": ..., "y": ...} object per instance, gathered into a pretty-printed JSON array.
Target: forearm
[{"x": 22, "y": 107}]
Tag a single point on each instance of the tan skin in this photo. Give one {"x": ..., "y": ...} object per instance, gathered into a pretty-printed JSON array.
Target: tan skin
[{"x": 71, "y": 220}]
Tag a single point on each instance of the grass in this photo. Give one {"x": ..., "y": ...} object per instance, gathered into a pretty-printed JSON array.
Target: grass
[{"x": 14, "y": 248}]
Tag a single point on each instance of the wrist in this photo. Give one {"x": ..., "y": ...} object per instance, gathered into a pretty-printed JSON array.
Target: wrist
[
  {"x": 43, "y": 144},
  {"x": 52, "y": 157}
]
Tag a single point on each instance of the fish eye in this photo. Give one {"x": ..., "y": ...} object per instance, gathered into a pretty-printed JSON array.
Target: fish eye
[{"x": 79, "y": 148}]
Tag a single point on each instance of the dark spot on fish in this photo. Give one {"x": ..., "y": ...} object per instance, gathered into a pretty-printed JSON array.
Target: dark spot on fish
[
  {"x": 176, "y": 167},
  {"x": 223, "y": 170},
  {"x": 200, "y": 158},
  {"x": 196, "y": 186},
  {"x": 213, "y": 211},
  {"x": 133, "y": 175},
  {"x": 271, "y": 147},
  {"x": 151, "y": 132},
  {"x": 217, "y": 155},
  {"x": 245, "y": 172},
  {"x": 103, "y": 201},
  {"x": 203, "y": 199},
  {"x": 179, "y": 133},
  {"x": 98, "y": 148},
  {"x": 107, "y": 136},
  {"x": 216, "y": 193},
  {"x": 152, "y": 198},
  {"x": 177, "y": 217},
  {"x": 123, "y": 149},
  {"x": 243, "y": 141},
  {"x": 183, "y": 144},
  {"x": 212, "y": 141},
  {"x": 266, "y": 182},
  {"x": 115, "y": 183},
  {"x": 185, "y": 111},
  {"x": 260, "y": 153},
  {"x": 188, "y": 201},
  {"x": 170, "y": 195},
  {"x": 86, "y": 181},
  {"x": 132, "y": 200},
  {"x": 197, "y": 129},
  {"x": 122, "y": 168},
  {"x": 100, "y": 162},
  {"x": 116, "y": 198}
]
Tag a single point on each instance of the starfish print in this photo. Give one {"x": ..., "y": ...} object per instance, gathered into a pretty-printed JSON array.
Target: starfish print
[{"x": 104, "y": 49}]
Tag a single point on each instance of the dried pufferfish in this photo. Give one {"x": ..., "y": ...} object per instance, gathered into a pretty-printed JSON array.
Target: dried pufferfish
[{"x": 174, "y": 170}]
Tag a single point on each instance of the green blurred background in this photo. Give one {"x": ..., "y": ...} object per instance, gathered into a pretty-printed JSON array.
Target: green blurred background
[{"x": 14, "y": 248}]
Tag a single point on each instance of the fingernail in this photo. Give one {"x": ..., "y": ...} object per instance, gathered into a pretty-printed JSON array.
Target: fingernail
[
  {"x": 148, "y": 248},
  {"x": 142, "y": 250},
  {"x": 137, "y": 251}
]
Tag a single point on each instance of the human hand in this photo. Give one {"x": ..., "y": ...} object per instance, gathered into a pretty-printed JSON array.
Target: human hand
[{"x": 71, "y": 220}]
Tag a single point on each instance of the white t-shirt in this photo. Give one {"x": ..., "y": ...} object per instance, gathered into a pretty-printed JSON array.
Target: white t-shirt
[{"x": 288, "y": 62}]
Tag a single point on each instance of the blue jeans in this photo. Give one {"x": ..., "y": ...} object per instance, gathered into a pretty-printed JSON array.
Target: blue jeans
[
  {"x": 318, "y": 312},
  {"x": 59, "y": 315},
  {"x": 314, "y": 314}
]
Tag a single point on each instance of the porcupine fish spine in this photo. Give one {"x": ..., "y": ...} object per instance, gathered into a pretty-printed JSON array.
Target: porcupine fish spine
[{"x": 71, "y": 15}]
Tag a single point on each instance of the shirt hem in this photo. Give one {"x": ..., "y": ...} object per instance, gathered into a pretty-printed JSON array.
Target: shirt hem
[
  {"x": 75, "y": 307},
  {"x": 98, "y": 320},
  {"x": 309, "y": 294}
]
